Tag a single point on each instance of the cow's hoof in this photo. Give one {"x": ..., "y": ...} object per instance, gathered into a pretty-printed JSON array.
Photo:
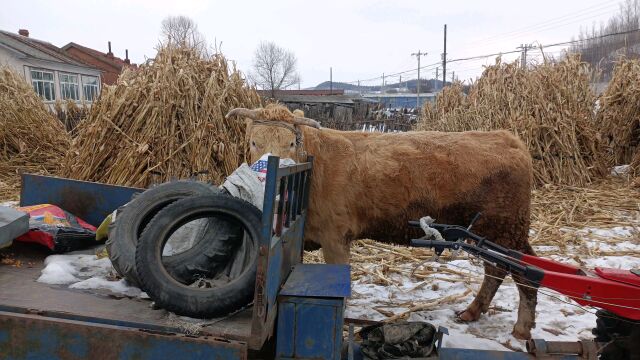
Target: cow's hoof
[
  {"x": 466, "y": 316},
  {"x": 521, "y": 333}
]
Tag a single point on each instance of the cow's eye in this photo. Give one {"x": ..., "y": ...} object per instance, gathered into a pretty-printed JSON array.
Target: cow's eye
[
  {"x": 253, "y": 143},
  {"x": 292, "y": 144}
]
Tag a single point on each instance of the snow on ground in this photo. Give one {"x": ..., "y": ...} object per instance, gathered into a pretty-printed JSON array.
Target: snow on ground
[
  {"x": 86, "y": 272},
  {"x": 557, "y": 318}
]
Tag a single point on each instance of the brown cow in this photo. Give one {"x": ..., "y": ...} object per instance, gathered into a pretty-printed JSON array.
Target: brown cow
[{"x": 369, "y": 185}]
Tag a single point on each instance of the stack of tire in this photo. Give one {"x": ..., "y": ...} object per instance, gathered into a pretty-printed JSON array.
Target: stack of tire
[{"x": 223, "y": 250}]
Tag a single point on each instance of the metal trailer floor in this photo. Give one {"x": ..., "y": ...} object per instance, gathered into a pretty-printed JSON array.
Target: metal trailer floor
[{"x": 19, "y": 292}]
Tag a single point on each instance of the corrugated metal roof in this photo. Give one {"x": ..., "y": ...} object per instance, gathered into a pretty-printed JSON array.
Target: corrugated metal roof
[{"x": 37, "y": 49}]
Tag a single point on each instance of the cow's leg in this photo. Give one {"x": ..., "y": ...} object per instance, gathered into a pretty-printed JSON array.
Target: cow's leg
[
  {"x": 528, "y": 301},
  {"x": 493, "y": 277},
  {"x": 526, "y": 310},
  {"x": 335, "y": 251}
]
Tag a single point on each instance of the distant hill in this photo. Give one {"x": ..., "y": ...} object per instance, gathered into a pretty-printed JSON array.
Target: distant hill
[{"x": 426, "y": 85}]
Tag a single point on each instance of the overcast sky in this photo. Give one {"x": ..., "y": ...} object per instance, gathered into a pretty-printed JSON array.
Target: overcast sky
[{"x": 359, "y": 39}]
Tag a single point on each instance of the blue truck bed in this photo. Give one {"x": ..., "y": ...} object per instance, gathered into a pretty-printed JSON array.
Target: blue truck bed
[
  {"x": 40, "y": 321},
  {"x": 22, "y": 296}
]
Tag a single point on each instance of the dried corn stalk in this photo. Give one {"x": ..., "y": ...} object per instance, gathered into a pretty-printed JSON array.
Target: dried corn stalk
[
  {"x": 164, "y": 120},
  {"x": 619, "y": 114},
  {"x": 549, "y": 106},
  {"x": 31, "y": 139}
]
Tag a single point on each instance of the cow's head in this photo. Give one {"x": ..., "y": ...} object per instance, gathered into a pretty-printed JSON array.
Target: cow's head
[{"x": 274, "y": 130}]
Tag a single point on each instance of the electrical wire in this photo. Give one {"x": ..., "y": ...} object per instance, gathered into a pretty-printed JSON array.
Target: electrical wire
[
  {"x": 546, "y": 28},
  {"x": 479, "y": 57},
  {"x": 573, "y": 14}
]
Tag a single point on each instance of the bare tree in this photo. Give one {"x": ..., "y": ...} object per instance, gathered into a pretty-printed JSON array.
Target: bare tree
[
  {"x": 600, "y": 49},
  {"x": 274, "y": 68},
  {"x": 183, "y": 31}
]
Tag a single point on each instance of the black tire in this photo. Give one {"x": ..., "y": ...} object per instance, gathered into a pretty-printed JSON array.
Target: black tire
[
  {"x": 134, "y": 217},
  {"x": 180, "y": 298}
]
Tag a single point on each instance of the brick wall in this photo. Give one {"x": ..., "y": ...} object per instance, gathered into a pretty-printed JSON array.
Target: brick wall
[{"x": 109, "y": 72}]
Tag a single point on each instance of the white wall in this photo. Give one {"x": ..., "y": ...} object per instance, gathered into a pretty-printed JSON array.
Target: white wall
[
  {"x": 9, "y": 57},
  {"x": 23, "y": 65}
]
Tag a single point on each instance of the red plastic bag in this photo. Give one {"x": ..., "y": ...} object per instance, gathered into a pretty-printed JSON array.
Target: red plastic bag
[{"x": 57, "y": 229}]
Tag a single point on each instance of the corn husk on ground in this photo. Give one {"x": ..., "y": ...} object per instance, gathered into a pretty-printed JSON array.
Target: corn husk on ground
[
  {"x": 550, "y": 107},
  {"x": 31, "y": 139},
  {"x": 164, "y": 121},
  {"x": 619, "y": 114}
]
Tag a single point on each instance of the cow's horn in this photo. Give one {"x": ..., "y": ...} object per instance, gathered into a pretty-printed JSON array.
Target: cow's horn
[
  {"x": 251, "y": 114},
  {"x": 306, "y": 121}
]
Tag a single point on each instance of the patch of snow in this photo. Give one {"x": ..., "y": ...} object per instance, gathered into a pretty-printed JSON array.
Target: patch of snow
[
  {"x": 546, "y": 248},
  {"x": 85, "y": 272},
  {"x": 9, "y": 203},
  {"x": 616, "y": 231},
  {"x": 621, "y": 170},
  {"x": 557, "y": 317},
  {"x": 117, "y": 287},
  {"x": 615, "y": 262},
  {"x": 58, "y": 273}
]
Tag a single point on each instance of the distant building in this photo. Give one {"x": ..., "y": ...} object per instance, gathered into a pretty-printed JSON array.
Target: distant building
[
  {"x": 331, "y": 108},
  {"x": 109, "y": 65},
  {"x": 54, "y": 74},
  {"x": 279, "y": 93},
  {"x": 404, "y": 100}
]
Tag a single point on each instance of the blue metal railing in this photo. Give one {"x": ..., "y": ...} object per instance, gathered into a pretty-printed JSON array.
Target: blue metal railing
[{"x": 280, "y": 247}]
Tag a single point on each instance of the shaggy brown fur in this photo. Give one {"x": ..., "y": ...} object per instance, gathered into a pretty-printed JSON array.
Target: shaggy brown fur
[
  {"x": 275, "y": 112},
  {"x": 369, "y": 185}
]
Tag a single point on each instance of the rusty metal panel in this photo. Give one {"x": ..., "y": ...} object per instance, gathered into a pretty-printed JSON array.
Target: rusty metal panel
[
  {"x": 90, "y": 201},
  {"x": 24, "y": 336}
]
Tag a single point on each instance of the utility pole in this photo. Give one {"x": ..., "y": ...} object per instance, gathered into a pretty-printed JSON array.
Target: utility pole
[
  {"x": 523, "y": 56},
  {"x": 435, "y": 84},
  {"x": 359, "y": 90},
  {"x": 400, "y": 83},
  {"x": 382, "y": 88},
  {"x": 418, "y": 55},
  {"x": 330, "y": 80},
  {"x": 444, "y": 59},
  {"x": 453, "y": 76}
]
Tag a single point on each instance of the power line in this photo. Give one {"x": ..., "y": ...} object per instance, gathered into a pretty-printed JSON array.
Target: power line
[
  {"x": 479, "y": 57},
  {"x": 534, "y": 27},
  {"x": 544, "y": 29},
  {"x": 548, "y": 45}
]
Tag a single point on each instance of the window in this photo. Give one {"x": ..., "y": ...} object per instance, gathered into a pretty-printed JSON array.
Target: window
[
  {"x": 90, "y": 87},
  {"x": 69, "y": 86},
  {"x": 43, "y": 84}
]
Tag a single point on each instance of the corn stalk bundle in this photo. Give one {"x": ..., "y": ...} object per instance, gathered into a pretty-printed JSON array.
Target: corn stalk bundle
[
  {"x": 163, "y": 121},
  {"x": 550, "y": 107},
  {"x": 70, "y": 114},
  {"x": 619, "y": 113},
  {"x": 448, "y": 106},
  {"x": 31, "y": 139}
]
